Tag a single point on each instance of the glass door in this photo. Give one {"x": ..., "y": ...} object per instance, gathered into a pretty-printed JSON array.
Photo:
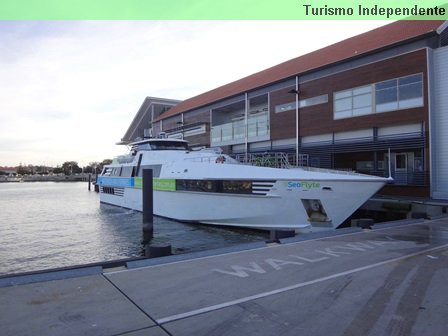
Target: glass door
[{"x": 401, "y": 168}]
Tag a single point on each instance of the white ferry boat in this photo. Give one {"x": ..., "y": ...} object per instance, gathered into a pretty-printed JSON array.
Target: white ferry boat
[{"x": 212, "y": 188}]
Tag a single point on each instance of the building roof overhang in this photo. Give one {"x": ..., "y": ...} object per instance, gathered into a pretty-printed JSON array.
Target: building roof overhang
[{"x": 396, "y": 33}]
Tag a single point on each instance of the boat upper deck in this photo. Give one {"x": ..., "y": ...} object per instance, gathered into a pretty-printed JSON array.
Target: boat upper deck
[{"x": 160, "y": 144}]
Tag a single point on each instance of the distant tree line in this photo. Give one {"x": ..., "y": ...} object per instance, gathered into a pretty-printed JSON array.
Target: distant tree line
[{"x": 67, "y": 168}]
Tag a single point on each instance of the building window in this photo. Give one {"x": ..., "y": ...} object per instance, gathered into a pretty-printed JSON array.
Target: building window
[
  {"x": 313, "y": 101},
  {"x": 386, "y": 95},
  {"x": 400, "y": 93},
  {"x": 232, "y": 123},
  {"x": 394, "y": 94},
  {"x": 353, "y": 102},
  {"x": 302, "y": 103},
  {"x": 285, "y": 107},
  {"x": 187, "y": 132},
  {"x": 257, "y": 125}
]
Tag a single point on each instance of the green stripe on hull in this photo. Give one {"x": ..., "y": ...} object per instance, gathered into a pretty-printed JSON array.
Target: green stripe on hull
[{"x": 157, "y": 184}]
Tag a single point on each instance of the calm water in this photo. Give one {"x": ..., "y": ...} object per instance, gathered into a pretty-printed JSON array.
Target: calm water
[{"x": 48, "y": 224}]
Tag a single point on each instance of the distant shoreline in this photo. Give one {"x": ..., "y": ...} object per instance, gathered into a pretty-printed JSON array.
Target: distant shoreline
[{"x": 49, "y": 178}]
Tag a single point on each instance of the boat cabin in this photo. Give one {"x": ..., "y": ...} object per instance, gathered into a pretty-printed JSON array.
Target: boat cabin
[{"x": 159, "y": 144}]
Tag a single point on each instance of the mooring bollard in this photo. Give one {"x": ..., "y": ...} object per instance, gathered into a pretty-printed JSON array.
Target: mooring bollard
[
  {"x": 276, "y": 235},
  {"x": 157, "y": 250},
  {"x": 272, "y": 235},
  {"x": 147, "y": 206},
  {"x": 365, "y": 223}
]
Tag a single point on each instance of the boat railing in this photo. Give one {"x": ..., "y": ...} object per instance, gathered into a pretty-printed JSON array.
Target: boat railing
[
  {"x": 205, "y": 159},
  {"x": 301, "y": 161},
  {"x": 218, "y": 158},
  {"x": 271, "y": 159},
  {"x": 267, "y": 159}
]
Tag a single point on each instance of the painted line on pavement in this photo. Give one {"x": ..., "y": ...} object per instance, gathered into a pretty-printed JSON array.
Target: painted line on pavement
[
  {"x": 288, "y": 288},
  {"x": 218, "y": 255}
]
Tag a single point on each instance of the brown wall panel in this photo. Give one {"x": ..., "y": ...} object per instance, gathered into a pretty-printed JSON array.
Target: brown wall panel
[
  {"x": 171, "y": 123},
  {"x": 282, "y": 125},
  {"x": 318, "y": 119},
  {"x": 200, "y": 139},
  {"x": 196, "y": 116}
]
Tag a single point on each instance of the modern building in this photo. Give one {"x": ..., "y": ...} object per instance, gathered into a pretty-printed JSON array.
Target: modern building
[
  {"x": 376, "y": 103},
  {"x": 150, "y": 109}
]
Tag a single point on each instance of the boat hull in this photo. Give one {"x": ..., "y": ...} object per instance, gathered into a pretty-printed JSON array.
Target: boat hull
[
  {"x": 309, "y": 207},
  {"x": 209, "y": 187}
]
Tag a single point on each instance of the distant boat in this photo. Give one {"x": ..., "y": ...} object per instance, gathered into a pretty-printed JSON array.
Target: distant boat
[
  {"x": 212, "y": 188},
  {"x": 10, "y": 178}
]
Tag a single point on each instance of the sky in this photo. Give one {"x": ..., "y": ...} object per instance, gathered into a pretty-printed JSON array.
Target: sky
[{"x": 70, "y": 89}]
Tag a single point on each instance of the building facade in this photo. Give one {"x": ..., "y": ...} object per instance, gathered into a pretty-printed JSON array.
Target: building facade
[
  {"x": 376, "y": 103},
  {"x": 142, "y": 125}
]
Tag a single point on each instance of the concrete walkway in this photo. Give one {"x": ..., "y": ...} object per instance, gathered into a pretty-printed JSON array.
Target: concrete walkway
[{"x": 388, "y": 281}]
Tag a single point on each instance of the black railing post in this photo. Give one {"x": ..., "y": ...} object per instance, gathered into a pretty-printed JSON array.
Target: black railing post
[{"x": 147, "y": 205}]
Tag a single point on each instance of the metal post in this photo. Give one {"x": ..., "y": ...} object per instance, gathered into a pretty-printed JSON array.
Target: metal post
[
  {"x": 182, "y": 121},
  {"x": 389, "y": 164},
  {"x": 297, "y": 121},
  {"x": 296, "y": 92},
  {"x": 147, "y": 205},
  {"x": 97, "y": 187},
  {"x": 246, "y": 125},
  {"x": 90, "y": 178}
]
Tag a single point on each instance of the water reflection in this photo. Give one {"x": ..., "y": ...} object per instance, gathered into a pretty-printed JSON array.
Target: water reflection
[{"x": 48, "y": 225}]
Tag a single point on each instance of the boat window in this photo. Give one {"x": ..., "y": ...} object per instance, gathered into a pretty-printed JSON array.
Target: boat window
[
  {"x": 107, "y": 171},
  {"x": 155, "y": 170},
  {"x": 116, "y": 171},
  {"x": 145, "y": 146},
  {"x": 159, "y": 145},
  {"x": 127, "y": 171},
  {"x": 196, "y": 185},
  {"x": 216, "y": 186},
  {"x": 237, "y": 187},
  {"x": 137, "y": 170},
  {"x": 169, "y": 145}
]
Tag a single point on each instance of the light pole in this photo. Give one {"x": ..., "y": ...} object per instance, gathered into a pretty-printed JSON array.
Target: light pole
[{"x": 296, "y": 92}]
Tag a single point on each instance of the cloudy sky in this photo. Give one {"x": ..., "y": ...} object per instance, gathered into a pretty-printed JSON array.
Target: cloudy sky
[{"x": 70, "y": 89}]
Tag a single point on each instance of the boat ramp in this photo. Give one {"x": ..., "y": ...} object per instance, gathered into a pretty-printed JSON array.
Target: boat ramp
[{"x": 389, "y": 280}]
